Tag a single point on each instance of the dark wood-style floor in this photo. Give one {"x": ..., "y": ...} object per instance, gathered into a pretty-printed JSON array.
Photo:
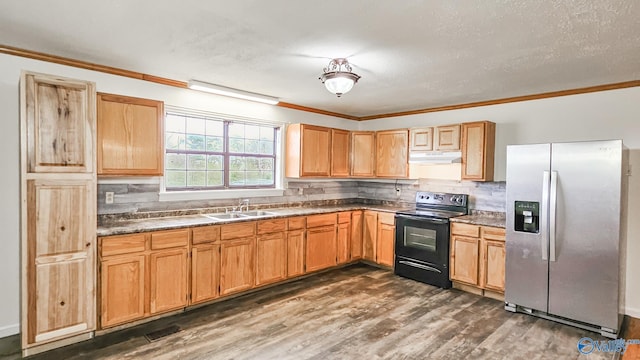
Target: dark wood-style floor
[{"x": 358, "y": 312}]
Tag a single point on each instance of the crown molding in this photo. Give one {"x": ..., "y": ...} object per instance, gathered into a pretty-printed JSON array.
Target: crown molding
[{"x": 183, "y": 84}]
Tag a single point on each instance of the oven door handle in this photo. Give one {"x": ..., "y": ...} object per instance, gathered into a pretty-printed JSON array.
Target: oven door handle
[
  {"x": 420, "y": 266},
  {"x": 424, "y": 219}
]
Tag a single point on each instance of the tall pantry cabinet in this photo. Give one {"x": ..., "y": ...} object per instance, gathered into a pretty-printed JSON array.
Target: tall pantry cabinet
[{"x": 58, "y": 210}]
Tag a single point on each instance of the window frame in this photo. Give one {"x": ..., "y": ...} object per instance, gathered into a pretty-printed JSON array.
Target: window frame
[{"x": 191, "y": 192}]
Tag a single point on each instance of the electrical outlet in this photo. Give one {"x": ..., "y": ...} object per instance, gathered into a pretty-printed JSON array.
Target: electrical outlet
[
  {"x": 108, "y": 197},
  {"x": 300, "y": 191}
]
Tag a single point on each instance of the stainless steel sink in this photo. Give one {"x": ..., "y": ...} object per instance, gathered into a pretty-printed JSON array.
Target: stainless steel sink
[
  {"x": 242, "y": 215},
  {"x": 226, "y": 216},
  {"x": 256, "y": 213}
]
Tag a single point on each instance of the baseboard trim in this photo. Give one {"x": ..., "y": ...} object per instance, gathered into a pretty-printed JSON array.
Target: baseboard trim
[
  {"x": 633, "y": 312},
  {"x": 9, "y": 330}
]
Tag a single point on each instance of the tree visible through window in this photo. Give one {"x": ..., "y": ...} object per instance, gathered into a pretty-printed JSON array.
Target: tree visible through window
[{"x": 208, "y": 153}]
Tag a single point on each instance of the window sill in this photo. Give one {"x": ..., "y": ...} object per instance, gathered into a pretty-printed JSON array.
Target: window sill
[{"x": 219, "y": 194}]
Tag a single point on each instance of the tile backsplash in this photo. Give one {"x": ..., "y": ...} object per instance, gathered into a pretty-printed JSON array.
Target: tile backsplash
[{"x": 139, "y": 198}]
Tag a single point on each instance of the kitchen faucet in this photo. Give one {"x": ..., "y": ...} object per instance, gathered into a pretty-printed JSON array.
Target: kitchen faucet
[{"x": 243, "y": 203}]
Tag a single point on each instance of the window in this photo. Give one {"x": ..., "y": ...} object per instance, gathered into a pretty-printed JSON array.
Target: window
[{"x": 207, "y": 153}]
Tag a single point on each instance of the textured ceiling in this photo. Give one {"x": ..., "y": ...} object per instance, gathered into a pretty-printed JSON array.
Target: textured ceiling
[{"x": 410, "y": 54}]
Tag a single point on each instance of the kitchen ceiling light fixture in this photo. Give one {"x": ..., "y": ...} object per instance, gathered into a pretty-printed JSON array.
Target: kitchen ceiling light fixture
[
  {"x": 226, "y": 91},
  {"x": 338, "y": 78}
]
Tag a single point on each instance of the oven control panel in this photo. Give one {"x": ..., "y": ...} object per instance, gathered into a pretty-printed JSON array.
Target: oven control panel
[{"x": 432, "y": 198}]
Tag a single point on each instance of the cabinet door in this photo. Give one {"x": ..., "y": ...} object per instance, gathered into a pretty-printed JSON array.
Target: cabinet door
[
  {"x": 464, "y": 259},
  {"x": 392, "y": 153},
  {"x": 356, "y": 235},
  {"x": 205, "y": 272},
  {"x": 478, "y": 147},
  {"x": 369, "y": 233},
  {"x": 295, "y": 253},
  {"x": 122, "y": 289},
  {"x": 340, "y": 153},
  {"x": 59, "y": 124},
  {"x": 343, "y": 243},
  {"x": 321, "y": 248},
  {"x": 130, "y": 136},
  {"x": 385, "y": 244},
  {"x": 168, "y": 280},
  {"x": 60, "y": 270},
  {"x": 493, "y": 259},
  {"x": 271, "y": 258},
  {"x": 421, "y": 139},
  {"x": 237, "y": 265},
  {"x": 315, "y": 151},
  {"x": 363, "y": 153},
  {"x": 447, "y": 138}
]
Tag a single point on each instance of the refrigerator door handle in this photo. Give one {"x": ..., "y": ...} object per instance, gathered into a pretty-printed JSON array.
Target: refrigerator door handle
[
  {"x": 543, "y": 213},
  {"x": 553, "y": 200}
]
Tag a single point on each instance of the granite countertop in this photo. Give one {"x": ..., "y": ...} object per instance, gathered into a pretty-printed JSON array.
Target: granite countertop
[
  {"x": 484, "y": 218},
  {"x": 128, "y": 226}
]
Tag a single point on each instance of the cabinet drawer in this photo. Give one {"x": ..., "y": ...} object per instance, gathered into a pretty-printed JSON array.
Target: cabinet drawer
[
  {"x": 344, "y": 217},
  {"x": 205, "y": 234},
  {"x": 296, "y": 223},
  {"x": 122, "y": 244},
  {"x": 321, "y": 220},
  {"x": 234, "y": 231},
  {"x": 493, "y": 233},
  {"x": 271, "y": 226},
  {"x": 169, "y": 239},
  {"x": 465, "y": 229},
  {"x": 386, "y": 218}
]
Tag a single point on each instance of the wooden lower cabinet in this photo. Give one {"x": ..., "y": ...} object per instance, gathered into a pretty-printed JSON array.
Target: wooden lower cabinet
[
  {"x": 343, "y": 243},
  {"x": 168, "y": 280},
  {"x": 464, "y": 259},
  {"x": 493, "y": 265},
  {"x": 356, "y": 235},
  {"x": 478, "y": 256},
  {"x": 237, "y": 265},
  {"x": 205, "y": 272},
  {"x": 271, "y": 258},
  {"x": 295, "y": 252},
  {"x": 385, "y": 244},
  {"x": 321, "y": 248},
  {"x": 369, "y": 233},
  {"x": 123, "y": 289}
]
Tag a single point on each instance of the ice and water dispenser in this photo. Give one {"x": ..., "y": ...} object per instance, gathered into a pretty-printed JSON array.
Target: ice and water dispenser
[{"x": 527, "y": 215}]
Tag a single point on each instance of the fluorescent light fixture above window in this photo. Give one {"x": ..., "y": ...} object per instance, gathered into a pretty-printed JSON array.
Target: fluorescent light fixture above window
[{"x": 226, "y": 91}]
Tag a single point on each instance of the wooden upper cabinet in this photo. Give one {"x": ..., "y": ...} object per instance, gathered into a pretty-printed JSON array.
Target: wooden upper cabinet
[
  {"x": 340, "y": 154},
  {"x": 130, "y": 136},
  {"x": 308, "y": 151},
  {"x": 363, "y": 153},
  {"x": 447, "y": 138},
  {"x": 59, "y": 127},
  {"x": 478, "y": 148},
  {"x": 392, "y": 153},
  {"x": 421, "y": 139}
]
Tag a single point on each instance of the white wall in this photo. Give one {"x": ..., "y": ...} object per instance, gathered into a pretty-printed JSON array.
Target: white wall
[
  {"x": 603, "y": 115},
  {"x": 10, "y": 69}
]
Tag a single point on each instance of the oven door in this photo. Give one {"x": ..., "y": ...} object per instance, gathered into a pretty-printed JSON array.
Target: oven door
[{"x": 423, "y": 239}]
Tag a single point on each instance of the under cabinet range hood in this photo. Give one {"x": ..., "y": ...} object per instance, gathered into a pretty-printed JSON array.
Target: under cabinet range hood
[{"x": 435, "y": 157}]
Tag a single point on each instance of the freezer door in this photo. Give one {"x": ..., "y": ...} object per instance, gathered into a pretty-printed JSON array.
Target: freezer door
[
  {"x": 526, "y": 277},
  {"x": 584, "y": 259}
]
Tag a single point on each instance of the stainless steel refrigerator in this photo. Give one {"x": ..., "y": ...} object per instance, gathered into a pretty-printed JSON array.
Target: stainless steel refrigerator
[{"x": 564, "y": 238}]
